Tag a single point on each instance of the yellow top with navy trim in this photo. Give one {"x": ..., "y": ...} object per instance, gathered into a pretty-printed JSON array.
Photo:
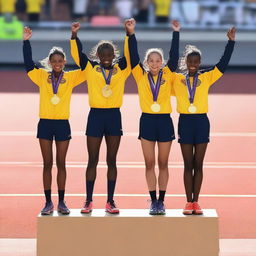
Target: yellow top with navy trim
[
  {"x": 42, "y": 78},
  {"x": 205, "y": 81},
  {"x": 96, "y": 81},
  {"x": 145, "y": 93}
]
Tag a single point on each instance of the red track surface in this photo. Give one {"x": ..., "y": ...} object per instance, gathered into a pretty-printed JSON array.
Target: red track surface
[{"x": 229, "y": 164}]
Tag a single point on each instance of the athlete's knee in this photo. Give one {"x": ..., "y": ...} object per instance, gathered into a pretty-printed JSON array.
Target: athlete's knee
[
  {"x": 150, "y": 165},
  {"x": 48, "y": 166},
  {"x": 111, "y": 162},
  {"x": 198, "y": 166},
  {"x": 188, "y": 166},
  {"x": 92, "y": 163},
  {"x": 61, "y": 165},
  {"x": 163, "y": 165}
]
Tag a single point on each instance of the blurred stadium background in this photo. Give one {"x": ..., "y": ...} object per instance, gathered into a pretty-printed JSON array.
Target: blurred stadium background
[{"x": 204, "y": 24}]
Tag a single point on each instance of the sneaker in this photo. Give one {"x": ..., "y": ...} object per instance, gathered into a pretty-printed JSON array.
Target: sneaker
[
  {"x": 161, "y": 208},
  {"x": 48, "y": 209},
  {"x": 153, "y": 208},
  {"x": 197, "y": 209},
  {"x": 188, "y": 210},
  {"x": 111, "y": 208},
  {"x": 87, "y": 207},
  {"x": 62, "y": 208}
]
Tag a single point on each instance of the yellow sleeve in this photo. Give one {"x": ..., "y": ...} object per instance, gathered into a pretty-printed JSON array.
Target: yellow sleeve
[
  {"x": 76, "y": 77},
  {"x": 127, "y": 53},
  {"x": 137, "y": 73},
  {"x": 74, "y": 52},
  {"x": 172, "y": 89},
  {"x": 36, "y": 75},
  {"x": 212, "y": 76}
]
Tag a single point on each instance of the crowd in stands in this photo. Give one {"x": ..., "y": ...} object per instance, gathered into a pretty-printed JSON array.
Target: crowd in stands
[{"x": 113, "y": 12}]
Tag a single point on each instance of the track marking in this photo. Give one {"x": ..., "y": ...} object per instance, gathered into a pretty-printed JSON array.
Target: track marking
[
  {"x": 128, "y": 195},
  {"x": 121, "y": 163},
  {"x": 141, "y": 165}
]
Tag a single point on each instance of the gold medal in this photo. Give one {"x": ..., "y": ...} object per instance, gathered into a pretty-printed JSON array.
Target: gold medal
[
  {"x": 155, "y": 107},
  {"x": 106, "y": 91},
  {"x": 192, "y": 109},
  {"x": 55, "y": 99}
]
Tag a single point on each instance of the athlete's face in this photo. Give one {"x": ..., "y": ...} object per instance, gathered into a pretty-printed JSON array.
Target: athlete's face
[
  {"x": 106, "y": 57},
  {"x": 155, "y": 63},
  {"x": 57, "y": 62},
  {"x": 193, "y": 64}
]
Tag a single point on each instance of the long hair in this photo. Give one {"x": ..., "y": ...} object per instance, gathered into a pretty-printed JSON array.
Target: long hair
[
  {"x": 158, "y": 51},
  {"x": 190, "y": 50},
  {"x": 54, "y": 50}
]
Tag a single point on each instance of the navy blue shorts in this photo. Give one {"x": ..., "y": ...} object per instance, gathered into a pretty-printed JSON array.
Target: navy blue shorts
[
  {"x": 156, "y": 127},
  {"x": 104, "y": 121},
  {"x": 50, "y": 129},
  {"x": 193, "y": 129}
]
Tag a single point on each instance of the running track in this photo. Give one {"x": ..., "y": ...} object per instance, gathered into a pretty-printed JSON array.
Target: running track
[{"x": 229, "y": 173}]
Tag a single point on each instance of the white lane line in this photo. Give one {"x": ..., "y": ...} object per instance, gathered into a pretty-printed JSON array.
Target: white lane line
[
  {"x": 129, "y": 134},
  {"x": 123, "y": 163},
  {"x": 129, "y": 195},
  {"x": 129, "y": 166}
]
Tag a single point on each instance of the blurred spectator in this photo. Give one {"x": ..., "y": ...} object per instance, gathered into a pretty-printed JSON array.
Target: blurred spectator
[
  {"x": 142, "y": 11},
  {"x": 10, "y": 27},
  {"x": 80, "y": 9},
  {"x": 7, "y": 6},
  {"x": 93, "y": 8},
  {"x": 250, "y": 12},
  {"x": 21, "y": 8},
  {"x": 106, "y": 7},
  {"x": 124, "y": 8},
  {"x": 162, "y": 10},
  {"x": 231, "y": 11},
  {"x": 210, "y": 12},
  {"x": 34, "y": 9}
]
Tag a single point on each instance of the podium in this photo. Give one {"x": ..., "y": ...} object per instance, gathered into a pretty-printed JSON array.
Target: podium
[{"x": 133, "y": 232}]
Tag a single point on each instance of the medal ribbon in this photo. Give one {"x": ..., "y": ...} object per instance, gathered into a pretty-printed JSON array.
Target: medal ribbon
[
  {"x": 55, "y": 84},
  {"x": 191, "y": 91},
  {"x": 155, "y": 87},
  {"x": 107, "y": 79}
]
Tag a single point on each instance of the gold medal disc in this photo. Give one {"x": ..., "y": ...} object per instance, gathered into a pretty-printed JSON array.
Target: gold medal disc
[
  {"x": 155, "y": 107},
  {"x": 106, "y": 91},
  {"x": 55, "y": 99},
  {"x": 192, "y": 109}
]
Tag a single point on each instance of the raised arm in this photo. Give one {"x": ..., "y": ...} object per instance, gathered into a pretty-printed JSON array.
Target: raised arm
[
  {"x": 132, "y": 42},
  {"x": 27, "y": 51},
  {"x": 174, "y": 51},
  {"x": 223, "y": 63},
  {"x": 77, "y": 54}
]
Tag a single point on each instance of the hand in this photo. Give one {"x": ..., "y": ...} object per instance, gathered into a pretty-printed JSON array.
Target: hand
[
  {"x": 75, "y": 27},
  {"x": 130, "y": 26},
  {"x": 175, "y": 25},
  {"x": 27, "y": 33},
  {"x": 231, "y": 34}
]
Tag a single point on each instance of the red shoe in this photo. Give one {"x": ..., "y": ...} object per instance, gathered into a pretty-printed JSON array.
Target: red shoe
[
  {"x": 197, "y": 209},
  {"x": 87, "y": 207},
  {"x": 111, "y": 208},
  {"x": 188, "y": 210}
]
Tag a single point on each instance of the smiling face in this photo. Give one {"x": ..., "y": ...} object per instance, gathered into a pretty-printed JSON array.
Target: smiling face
[
  {"x": 57, "y": 62},
  {"x": 193, "y": 63},
  {"x": 106, "y": 56},
  {"x": 154, "y": 62}
]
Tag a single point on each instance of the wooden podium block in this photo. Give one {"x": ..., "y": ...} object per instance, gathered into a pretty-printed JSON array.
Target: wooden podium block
[{"x": 131, "y": 233}]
